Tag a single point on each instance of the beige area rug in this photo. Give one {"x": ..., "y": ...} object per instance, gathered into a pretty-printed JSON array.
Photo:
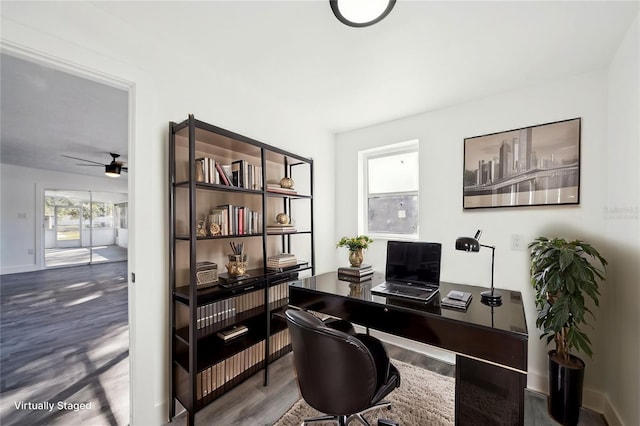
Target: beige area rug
[{"x": 423, "y": 398}]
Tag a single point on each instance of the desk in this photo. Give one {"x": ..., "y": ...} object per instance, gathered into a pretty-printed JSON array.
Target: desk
[{"x": 490, "y": 343}]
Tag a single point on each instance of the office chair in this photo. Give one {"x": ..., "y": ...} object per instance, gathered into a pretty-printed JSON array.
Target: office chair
[{"x": 339, "y": 374}]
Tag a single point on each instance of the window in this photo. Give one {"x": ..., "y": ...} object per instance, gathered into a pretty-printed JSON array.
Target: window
[{"x": 390, "y": 191}]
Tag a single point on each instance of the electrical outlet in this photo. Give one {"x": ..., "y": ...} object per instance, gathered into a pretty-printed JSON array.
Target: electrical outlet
[{"x": 517, "y": 242}]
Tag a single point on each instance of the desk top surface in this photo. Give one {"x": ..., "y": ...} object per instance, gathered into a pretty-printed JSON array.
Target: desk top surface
[{"x": 508, "y": 317}]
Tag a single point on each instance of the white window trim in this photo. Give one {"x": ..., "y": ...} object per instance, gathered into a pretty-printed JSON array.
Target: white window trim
[{"x": 363, "y": 190}]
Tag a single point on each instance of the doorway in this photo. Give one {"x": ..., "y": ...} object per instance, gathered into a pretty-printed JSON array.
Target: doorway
[
  {"x": 67, "y": 226},
  {"x": 84, "y": 227}
]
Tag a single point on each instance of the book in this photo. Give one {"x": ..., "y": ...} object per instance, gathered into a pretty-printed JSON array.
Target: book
[
  {"x": 275, "y": 187},
  {"x": 222, "y": 175},
  {"x": 354, "y": 278},
  {"x": 281, "y": 259},
  {"x": 280, "y": 229},
  {"x": 356, "y": 271},
  {"x": 457, "y": 299},
  {"x": 235, "y": 331}
]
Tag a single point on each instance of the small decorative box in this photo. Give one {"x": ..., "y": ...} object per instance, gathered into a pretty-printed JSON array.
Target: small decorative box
[{"x": 206, "y": 273}]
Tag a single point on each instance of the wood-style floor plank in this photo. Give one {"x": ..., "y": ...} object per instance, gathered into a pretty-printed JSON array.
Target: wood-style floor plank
[
  {"x": 64, "y": 337},
  {"x": 65, "y": 340}
]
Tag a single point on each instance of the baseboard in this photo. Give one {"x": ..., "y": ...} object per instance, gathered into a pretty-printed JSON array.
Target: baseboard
[
  {"x": 610, "y": 414},
  {"x": 18, "y": 269}
]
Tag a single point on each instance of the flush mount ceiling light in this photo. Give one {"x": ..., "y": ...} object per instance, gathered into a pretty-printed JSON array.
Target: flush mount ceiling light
[{"x": 361, "y": 13}]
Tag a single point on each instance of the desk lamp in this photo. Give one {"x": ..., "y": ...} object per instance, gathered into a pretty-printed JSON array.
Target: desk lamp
[{"x": 490, "y": 298}]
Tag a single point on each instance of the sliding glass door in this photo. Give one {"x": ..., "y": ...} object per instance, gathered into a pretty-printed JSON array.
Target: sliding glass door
[{"x": 83, "y": 227}]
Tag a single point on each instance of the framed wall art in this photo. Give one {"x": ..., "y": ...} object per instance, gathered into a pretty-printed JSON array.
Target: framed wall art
[{"x": 531, "y": 166}]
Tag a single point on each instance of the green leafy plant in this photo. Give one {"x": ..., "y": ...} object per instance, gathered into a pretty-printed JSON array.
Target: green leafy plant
[
  {"x": 355, "y": 243},
  {"x": 562, "y": 273}
]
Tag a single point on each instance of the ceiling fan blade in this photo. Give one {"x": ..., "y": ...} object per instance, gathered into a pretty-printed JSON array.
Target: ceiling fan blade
[
  {"x": 91, "y": 165},
  {"x": 82, "y": 159},
  {"x": 125, "y": 169}
]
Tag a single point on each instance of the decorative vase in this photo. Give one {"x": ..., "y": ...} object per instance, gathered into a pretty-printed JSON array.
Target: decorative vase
[
  {"x": 237, "y": 266},
  {"x": 283, "y": 219},
  {"x": 356, "y": 257},
  {"x": 287, "y": 183}
]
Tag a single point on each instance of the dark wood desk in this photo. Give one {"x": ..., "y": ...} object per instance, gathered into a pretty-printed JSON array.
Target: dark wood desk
[{"x": 490, "y": 343}]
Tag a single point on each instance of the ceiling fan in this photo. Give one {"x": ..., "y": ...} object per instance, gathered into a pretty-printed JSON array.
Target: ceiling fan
[{"x": 112, "y": 169}]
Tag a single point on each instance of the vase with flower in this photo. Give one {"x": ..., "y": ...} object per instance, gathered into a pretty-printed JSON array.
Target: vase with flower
[{"x": 356, "y": 246}]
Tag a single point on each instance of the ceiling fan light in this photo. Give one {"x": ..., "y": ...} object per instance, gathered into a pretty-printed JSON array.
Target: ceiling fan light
[
  {"x": 112, "y": 170},
  {"x": 361, "y": 13}
]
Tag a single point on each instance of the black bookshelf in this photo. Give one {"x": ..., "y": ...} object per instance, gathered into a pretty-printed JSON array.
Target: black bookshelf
[{"x": 204, "y": 366}]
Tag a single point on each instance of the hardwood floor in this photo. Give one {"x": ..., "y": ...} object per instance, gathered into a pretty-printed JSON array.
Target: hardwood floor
[{"x": 65, "y": 340}]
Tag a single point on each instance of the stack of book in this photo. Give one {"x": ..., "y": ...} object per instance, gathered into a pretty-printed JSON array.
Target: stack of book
[
  {"x": 280, "y": 229},
  {"x": 457, "y": 299},
  {"x": 281, "y": 261},
  {"x": 275, "y": 187},
  {"x": 355, "y": 274}
]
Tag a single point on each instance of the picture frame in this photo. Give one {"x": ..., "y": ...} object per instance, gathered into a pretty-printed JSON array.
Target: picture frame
[{"x": 530, "y": 166}]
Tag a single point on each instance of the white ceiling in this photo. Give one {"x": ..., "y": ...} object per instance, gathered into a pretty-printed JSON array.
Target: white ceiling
[
  {"x": 46, "y": 114},
  {"x": 424, "y": 56}
]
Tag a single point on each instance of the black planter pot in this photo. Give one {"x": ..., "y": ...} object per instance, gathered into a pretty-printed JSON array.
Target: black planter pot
[{"x": 565, "y": 390}]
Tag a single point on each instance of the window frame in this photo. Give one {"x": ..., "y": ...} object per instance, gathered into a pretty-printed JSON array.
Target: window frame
[{"x": 363, "y": 188}]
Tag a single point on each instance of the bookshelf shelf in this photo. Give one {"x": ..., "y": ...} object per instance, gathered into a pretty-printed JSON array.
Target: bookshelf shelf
[{"x": 222, "y": 190}]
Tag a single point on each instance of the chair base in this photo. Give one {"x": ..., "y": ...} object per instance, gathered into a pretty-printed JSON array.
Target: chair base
[{"x": 345, "y": 420}]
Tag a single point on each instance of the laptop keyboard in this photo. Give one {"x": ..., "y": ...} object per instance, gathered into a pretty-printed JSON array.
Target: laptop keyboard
[{"x": 408, "y": 290}]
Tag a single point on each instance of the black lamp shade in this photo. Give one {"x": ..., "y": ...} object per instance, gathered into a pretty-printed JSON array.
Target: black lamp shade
[{"x": 467, "y": 244}]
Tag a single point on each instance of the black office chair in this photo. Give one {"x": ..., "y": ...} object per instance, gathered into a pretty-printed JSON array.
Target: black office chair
[{"x": 339, "y": 374}]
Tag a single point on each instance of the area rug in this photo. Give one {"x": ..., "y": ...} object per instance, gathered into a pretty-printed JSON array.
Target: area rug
[{"x": 423, "y": 398}]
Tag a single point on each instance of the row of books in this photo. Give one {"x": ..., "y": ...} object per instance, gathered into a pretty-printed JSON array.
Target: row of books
[
  {"x": 246, "y": 175},
  {"x": 355, "y": 273},
  {"x": 278, "y": 341},
  {"x": 279, "y": 292},
  {"x": 227, "y": 309},
  {"x": 281, "y": 261},
  {"x": 218, "y": 374},
  {"x": 239, "y": 173},
  {"x": 214, "y": 377},
  {"x": 236, "y": 220}
]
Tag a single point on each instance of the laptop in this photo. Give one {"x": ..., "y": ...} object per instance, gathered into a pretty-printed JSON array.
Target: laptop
[{"x": 412, "y": 271}]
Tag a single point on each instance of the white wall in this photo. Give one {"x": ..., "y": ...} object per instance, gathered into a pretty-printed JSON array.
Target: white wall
[
  {"x": 22, "y": 236},
  {"x": 442, "y": 218},
  {"x": 80, "y": 37},
  {"x": 623, "y": 235}
]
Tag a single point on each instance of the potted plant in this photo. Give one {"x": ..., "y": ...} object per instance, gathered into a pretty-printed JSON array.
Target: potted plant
[
  {"x": 563, "y": 273},
  {"x": 356, "y": 246}
]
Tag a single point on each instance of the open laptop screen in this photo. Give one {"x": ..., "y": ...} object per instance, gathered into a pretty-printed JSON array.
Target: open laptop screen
[{"x": 416, "y": 263}]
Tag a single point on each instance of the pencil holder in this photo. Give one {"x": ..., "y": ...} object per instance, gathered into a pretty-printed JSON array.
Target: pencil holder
[{"x": 237, "y": 265}]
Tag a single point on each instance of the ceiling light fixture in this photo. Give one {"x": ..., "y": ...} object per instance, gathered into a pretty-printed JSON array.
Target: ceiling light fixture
[{"x": 361, "y": 13}]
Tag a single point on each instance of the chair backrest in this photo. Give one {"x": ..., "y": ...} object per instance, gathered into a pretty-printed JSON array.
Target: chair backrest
[{"x": 336, "y": 372}]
